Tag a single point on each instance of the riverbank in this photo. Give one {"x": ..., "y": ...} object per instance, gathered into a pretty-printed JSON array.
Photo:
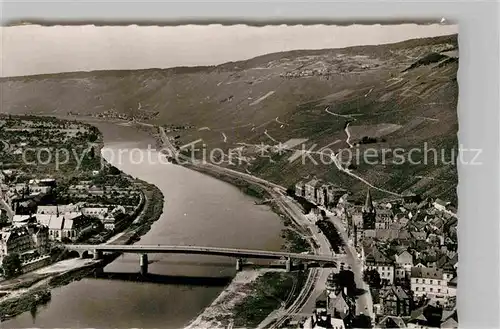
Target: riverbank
[
  {"x": 250, "y": 298},
  {"x": 253, "y": 295},
  {"x": 23, "y": 293},
  {"x": 22, "y": 297},
  {"x": 244, "y": 298}
]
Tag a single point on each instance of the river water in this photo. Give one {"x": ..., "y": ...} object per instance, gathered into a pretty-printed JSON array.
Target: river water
[{"x": 198, "y": 210}]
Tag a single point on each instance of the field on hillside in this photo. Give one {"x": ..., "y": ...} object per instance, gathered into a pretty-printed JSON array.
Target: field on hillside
[{"x": 402, "y": 95}]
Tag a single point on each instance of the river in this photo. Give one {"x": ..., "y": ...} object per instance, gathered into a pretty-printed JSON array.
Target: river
[{"x": 198, "y": 210}]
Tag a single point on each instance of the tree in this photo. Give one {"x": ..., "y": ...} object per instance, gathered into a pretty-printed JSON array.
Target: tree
[
  {"x": 114, "y": 171},
  {"x": 344, "y": 279},
  {"x": 4, "y": 219},
  {"x": 372, "y": 277},
  {"x": 12, "y": 265}
]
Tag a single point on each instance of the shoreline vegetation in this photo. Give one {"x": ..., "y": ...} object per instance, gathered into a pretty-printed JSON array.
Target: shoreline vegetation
[{"x": 249, "y": 298}]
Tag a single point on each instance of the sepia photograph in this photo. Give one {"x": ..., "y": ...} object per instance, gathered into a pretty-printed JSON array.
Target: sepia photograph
[{"x": 229, "y": 176}]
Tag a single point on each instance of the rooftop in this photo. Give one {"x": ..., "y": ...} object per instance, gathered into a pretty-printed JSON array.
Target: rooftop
[{"x": 426, "y": 273}]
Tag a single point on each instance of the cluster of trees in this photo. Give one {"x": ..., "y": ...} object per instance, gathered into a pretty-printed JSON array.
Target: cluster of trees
[
  {"x": 12, "y": 265},
  {"x": 4, "y": 219},
  {"x": 372, "y": 277},
  {"x": 343, "y": 280},
  {"x": 331, "y": 234}
]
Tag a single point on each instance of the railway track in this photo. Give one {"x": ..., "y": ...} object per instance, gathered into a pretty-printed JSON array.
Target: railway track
[
  {"x": 276, "y": 193},
  {"x": 300, "y": 301}
]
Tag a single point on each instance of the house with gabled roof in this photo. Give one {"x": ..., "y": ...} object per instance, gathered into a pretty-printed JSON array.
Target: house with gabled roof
[
  {"x": 376, "y": 260},
  {"x": 15, "y": 240},
  {"x": 450, "y": 323},
  {"x": 338, "y": 307},
  {"x": 419, "y": 235},
  {"x": 396, "y": 301},
  {"x": 404, "y": 236},
  {"x": 68, "y": 225},
  {"x": 440, "y": 204},
  {"x": 299, "y": 189},
  {"x": 311, "y": 190},
  {"x": 391, "y": 322},
  {"x": 430, "y": 282},
  {"x": 404, "y": 263},
  {"x": 425, "y": 317}
]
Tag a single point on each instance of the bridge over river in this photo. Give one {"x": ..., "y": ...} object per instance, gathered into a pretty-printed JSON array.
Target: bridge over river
[{"x": 240, "y": 254}]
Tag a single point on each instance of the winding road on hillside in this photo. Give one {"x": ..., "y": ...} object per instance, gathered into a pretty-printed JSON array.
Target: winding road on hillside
[
  {"x": 337, "y": 161},
  {"x": 348, "y": 134}
]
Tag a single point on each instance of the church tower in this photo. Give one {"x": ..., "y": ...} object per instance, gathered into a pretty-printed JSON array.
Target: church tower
[{"x": 368, "y": 212}]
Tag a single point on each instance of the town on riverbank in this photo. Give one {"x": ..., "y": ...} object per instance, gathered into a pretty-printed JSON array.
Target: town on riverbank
[
  {"x": 400, "y": 243},
  {"x": 340, "y": 204},
  {"x": 400, "y": 265},
  {"x": 49, "y": 200}
]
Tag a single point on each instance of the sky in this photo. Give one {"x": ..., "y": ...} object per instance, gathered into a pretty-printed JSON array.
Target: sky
[{"x": 33, "y": 49}]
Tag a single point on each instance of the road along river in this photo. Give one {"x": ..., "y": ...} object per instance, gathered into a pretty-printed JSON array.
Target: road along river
[{"x": 198, "y": 210}]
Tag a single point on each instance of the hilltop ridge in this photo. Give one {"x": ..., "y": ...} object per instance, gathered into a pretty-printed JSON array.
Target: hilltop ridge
[{"x": 401, "y": 95}]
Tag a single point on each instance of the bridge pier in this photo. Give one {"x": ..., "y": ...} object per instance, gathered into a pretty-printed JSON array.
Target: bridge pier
[
  {"x": 239, "y": 264},
  {"x": 288, "y": 265},
  {"x": 97, "y": 254},
  {"x": 144, "y": 264}
]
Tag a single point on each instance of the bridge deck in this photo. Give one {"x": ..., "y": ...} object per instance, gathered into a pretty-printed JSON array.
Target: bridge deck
[{"x": 216, "y": 251}]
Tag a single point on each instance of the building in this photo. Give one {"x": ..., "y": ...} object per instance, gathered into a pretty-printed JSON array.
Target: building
[
  {"x": 40, "y": 237},
  {"x": 299, "y": 189},
  {"x": 429, "y": 282},
  {"x": 328, "y": 195},
  {"x": 15, "y": 240},
  {"x": 440, "y": 205},
  {"x": 95, "y": 212},
  {"x": 69, "y": 225},
  {"x": 368, "y": 213},
  {"x": 425, "y": 317},
  {"x": 21, "y": 220},
  {"x": 395, "y": 301},
  {"x": 114, "y": 219},
  {"x": 391, "y": 322},
  {"x": 339, "y": 307},
  {"x": 321, "y": 317},
  {"x": 311, "y": 190},
  {"x": 404, "y": 263},
  {"x": 40, "y": 189},
  {"x": 322, "y": 195},
  {"x": 452, "y": 287},
  {"x": 376, "y": 260},
  {"x": 110, "y": 223},
  {"x": 59, "y": 209},
  {"x": 449, "y": 319},
  {"x": 323, "y": 320},
  {"x": 383, "y": 219}
]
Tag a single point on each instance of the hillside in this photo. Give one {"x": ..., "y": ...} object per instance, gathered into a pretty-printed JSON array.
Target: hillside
[{"x": 393, "y": 96}]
